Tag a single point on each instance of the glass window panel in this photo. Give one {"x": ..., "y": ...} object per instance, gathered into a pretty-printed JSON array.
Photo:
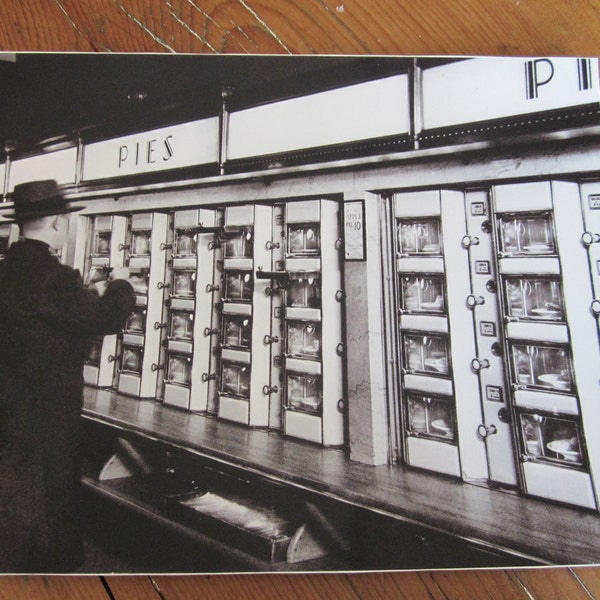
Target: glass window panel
[
  {"x": 238, "y": 286},
  {"x": 533, "y": 298},
  {"x": 184, "y": 283},
  {"x": 237, "y": 331},
  {"x": 101, "y": 243},
  {"x": 304, "y": 240},
  {"x": 239, "y": 244},
  {"x": 419, "y": 237},
  {"x": 136, "y": 321},
  {"x": 139, "y": 280},
  {"x": 179, "y": 369},
  {"x": 528, "y": 235},
  {"x": 304, "y": 290},
  {"x": 552, "y": 438},
  {"x": 184, "y": 243},
  {"x": 140, "y": 243},
  {"x": 94, "y": 352},
  {"x": 304, "y": 339},
  {"x": 422, "y": 294},
  {"x": 132, "y": 360},
  {"x": 433, "y": 417},
  {"x": 235, "y": 380},
  {"x": 547, "y": 367},
  {"x": 304, "y": 392},
  {"x": 426, "y": 354},
  {"x": 182, "y": 325}
]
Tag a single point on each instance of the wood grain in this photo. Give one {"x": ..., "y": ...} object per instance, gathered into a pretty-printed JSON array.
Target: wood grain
[{"x": 517, "y": 27}]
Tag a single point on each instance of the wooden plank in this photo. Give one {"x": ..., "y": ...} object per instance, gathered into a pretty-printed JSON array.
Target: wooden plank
[
  {"x": 382, "y": 586},
  {"x": 132, "y": 588},
  {"x": 312, "y": 26},
  {"x": 459, "y": 585},
  {"x": 42, "y": 588},
  {"x": 234, "y": 587},
  {"x": 550, "y": 584},
  {"x": 589, "y": 577}
]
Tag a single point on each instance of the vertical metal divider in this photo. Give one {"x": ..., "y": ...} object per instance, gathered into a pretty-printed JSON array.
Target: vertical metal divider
[
  {"x": 502, "y": 307},
  {"x": 389, "y": 327}
]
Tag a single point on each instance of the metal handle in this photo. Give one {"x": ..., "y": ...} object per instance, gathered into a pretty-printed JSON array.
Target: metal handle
[
  {"x": 124, "y": 246},
  {"x": 269, "y": 389},
  {"x": 272, "y": 245},
  {"x": 468, "y": 241},
  {"x": 112, "y": 358},
  {"x": 477, "y": 364},
  {"x": 208, "y": 377},
  {"x": 339, "y": 295},
  {"x": 270, "y": 339},
  {"x": 341, "y": 405},
  {"x": 473, "y": 301},
  {"x": 208, "y": 331},
  {"x": 212, "y": 288},
  {"x": 162, "y": 285},
  {"x": 486, "y": 430},
  {"x": 589, "y": 238},
  {"x": 155, "y": 367},
  {"x": 164, "y": 246},
  {"x": 338, "y": 243},
  {"x": 339, "y": 349},
  {"x": 158, "y": 325},
  {"x": 595, "y": 307}
]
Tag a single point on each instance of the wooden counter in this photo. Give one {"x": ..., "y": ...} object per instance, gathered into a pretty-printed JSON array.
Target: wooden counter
[{"x": 525, "y": 528}]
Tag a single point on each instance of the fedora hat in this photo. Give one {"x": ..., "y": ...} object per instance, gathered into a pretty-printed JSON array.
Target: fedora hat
[{"x": 36, "y": 199}]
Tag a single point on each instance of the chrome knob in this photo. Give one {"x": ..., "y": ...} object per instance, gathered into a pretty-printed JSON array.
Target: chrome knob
[
  {"x": 208, "y": 377},
  {"x": 477, "y": 364},
  {"x": 473, "y": 301},
  {"x": 208, "y": 331},
  {"x": 155, "y": 367},
  {"x": 595, "y": 307},
  {"x": 269, "y": 389},
  {"x": 270, "y": 339},
  {"x": 158, "y": 325},
  {"x": 486, "y": 430},
  {"x": 164, "y": 246},
  {"x": 162, "y": 285},
  {"x": 589, "y": 238},
  {"x": 212, "y": 288},
  {"x": 468, "y": 241},
  {"x": 272, "y": 245}
]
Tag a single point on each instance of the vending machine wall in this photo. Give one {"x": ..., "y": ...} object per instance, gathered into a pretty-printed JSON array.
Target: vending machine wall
[
  {"x": 551, "y": 346},
  {"x": 138, "y": 357},
  {"x": 239, "y": 319},
  {"x": 440, "y": 406},
  {"x": 103, "y": 250},
  {"x": 498, "y": 360},
  {"x": 186, "y": 347},
  {"x": 313, "y": 394}
]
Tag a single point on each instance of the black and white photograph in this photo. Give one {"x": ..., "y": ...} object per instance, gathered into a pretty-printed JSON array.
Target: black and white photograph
[{"x": 298, "y": 314}]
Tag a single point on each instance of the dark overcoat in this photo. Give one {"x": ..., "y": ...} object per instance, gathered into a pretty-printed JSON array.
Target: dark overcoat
[{"x": 45, "y": 317}]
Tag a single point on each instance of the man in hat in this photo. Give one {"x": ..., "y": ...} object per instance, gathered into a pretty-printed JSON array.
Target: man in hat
[{"x": 46, "y": 314}]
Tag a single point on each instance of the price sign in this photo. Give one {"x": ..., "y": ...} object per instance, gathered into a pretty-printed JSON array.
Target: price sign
[{"x": 354, "y": 230}]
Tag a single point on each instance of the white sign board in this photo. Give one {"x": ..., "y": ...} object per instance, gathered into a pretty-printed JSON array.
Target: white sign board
[
  {"x": 174, "y": 147},
  {"x": 60, "y": 165},
  {"x": 354, "y": 230},
  {"x": 357, "y": 112},
  {"x": 480, "y": 89}
]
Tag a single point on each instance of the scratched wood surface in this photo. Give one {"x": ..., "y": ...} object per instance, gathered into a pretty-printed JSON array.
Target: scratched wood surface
[{"x": 495, "y": 27}]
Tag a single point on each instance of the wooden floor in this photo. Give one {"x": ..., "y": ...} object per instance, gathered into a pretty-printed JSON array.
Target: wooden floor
[{"x": 496, "y": 27}]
